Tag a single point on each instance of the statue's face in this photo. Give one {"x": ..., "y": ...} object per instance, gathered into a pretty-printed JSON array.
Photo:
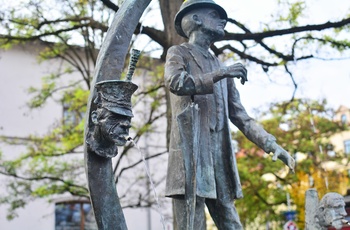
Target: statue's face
[
  {"x": 114, "y": 127},
  {"x": 212, "y": 23},
  {"x": 334, "y": 213}
]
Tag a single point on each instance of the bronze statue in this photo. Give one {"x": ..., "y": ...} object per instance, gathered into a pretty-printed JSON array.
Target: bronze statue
[
  {"x": 110, "y": 123},
  {"x": 202, "y": 167},
  {"x": 98, "y": 164},
  {"x": 111, "y": 118},
  {"x": 331, "y": 211},
  {"x": 326, "y": 213}
]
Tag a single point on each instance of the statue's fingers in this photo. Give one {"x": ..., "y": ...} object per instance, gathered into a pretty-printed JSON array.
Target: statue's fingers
[
  {"x": 291, "y": 164},
  {"x": 245, "y": 73},
  {"x": 275, "y": 156},
  {"x": 240, "y": 75},
  {"x": 237, "y": 74},
  {"x": 244, "y": 79},
  {"x": 292, "y": 169}
]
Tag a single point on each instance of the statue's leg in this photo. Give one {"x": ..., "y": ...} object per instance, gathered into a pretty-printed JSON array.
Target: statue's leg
[
  {"x": 224, "y": 214},
  {"x": 181, "y": 213},
  {"x": 222, "y": 209}
]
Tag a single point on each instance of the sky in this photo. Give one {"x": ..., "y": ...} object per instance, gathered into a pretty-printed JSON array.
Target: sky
[{"x": 316, "y": 79}]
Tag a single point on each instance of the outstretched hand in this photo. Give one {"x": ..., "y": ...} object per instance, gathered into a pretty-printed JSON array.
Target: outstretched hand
[
  {"x": 236, "y": 71},
  {"x": 284, "y": 156}
]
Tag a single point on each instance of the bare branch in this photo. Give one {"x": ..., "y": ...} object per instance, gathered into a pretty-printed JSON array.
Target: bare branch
[
  {"x": 156, "y": 35},
  {"x": 293, "y": 80},
  {"x": 93, "y": 23},
  {"x": 140, "y": 161},
  {"x": 48, "y": 178},
  {"x": 110, "y": 5},
  {"x": 242, "y": 55},
  {"x": 293, "y": 30},
  {"x": 37, "y": 37}
]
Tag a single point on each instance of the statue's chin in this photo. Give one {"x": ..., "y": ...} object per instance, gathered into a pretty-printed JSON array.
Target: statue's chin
[
  {"x": 337, "y": 224},
  {"x": 120, "y": 141}
]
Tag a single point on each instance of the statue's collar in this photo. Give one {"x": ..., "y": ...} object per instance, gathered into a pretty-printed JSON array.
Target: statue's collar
[{"x": 197, "y": 49}]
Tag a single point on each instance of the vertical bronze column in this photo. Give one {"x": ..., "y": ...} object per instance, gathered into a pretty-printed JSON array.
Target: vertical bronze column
[{"x": 109, "y": 66}]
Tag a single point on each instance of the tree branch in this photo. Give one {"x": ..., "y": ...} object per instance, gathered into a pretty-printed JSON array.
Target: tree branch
[
  {"x": 293, "y": 80},
  {"x": 110, "y": 5},
  {"x": 37, "y": 37},
  {"x": 156, "y": 35},
  {"x": 47, "y": 178},
  {"x": 267, "y": 34},
  {"x": 138, "y": 162},
  {"x": 242, "y": 55}
]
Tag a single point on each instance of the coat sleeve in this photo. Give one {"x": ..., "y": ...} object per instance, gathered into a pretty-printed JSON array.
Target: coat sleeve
[
  {"x": 244, "y": 122},
  {"x": 178, "y": 78}
]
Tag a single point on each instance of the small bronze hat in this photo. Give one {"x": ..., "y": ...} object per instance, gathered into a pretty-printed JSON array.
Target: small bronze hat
[
  {"x": 189, "y": 5},
  {"x": 115, "y": 96}
]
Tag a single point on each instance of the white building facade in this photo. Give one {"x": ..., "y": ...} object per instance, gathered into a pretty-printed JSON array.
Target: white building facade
[{"x": 19, "y": 70}]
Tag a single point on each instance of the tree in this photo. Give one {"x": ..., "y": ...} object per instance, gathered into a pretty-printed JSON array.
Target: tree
[
  {"x": 303, "y": 127},
  {"x": 73, "y": 31}
]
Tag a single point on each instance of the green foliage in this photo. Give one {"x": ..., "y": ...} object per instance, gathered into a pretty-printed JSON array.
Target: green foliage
[
  {"x": 340, "y": 45},
  {"x": 295, "y": 11},
  {"x": 52, "y": 164},
  {"x": 41, "y": 95},
  {"x": 300, "y": 126}
]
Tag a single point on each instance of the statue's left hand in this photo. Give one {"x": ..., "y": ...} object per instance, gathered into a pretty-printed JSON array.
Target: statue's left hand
[{"x": 284, "y": 156}]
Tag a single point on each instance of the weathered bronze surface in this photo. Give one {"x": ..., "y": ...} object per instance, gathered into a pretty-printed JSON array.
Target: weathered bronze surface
[
  {"x": 196, "y": 78},
  {"x": 326, "y": 213},
  {"x": 108, "y": 116}
]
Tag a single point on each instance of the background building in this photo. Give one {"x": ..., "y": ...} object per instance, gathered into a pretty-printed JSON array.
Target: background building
[{"x": 20, "y": 70}]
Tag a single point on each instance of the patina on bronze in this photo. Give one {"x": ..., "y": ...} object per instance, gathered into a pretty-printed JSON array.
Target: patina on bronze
[
  {"x": 100, "y": 144},
  {"x": 112, "y": 117},
  {"x": 326, "y": 213},
  {"x": 331, "y": 211},
  {"x": 197, "y": 79}
]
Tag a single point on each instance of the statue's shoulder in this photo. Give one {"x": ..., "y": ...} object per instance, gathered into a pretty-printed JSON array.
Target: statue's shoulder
[
  {"x": 184, "y": 47},
  {"x": 182, "y": 51}
]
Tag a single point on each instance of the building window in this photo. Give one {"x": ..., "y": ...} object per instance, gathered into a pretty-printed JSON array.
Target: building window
[
  {"x": 72, "y": 215},
  {"x": 347, "y": 146},
  {"x": 344, "y": 119}
]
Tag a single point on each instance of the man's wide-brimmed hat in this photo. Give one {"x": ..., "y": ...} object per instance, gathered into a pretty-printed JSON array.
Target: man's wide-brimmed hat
[
  {"x": 189, "y": 5},
  {"x": 115, "y": 96}
]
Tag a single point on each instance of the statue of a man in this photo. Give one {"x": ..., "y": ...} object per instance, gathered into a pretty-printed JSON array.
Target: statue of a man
[{"x": 194, "y": 75}]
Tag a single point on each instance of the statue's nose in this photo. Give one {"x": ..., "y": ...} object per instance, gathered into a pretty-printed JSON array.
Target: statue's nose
[
  {"x": 344, "y": 213},
  {"x": 224, "y": 21}
]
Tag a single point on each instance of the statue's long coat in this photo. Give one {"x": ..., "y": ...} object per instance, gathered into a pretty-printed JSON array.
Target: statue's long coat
[{"x": 185, "y": 70}]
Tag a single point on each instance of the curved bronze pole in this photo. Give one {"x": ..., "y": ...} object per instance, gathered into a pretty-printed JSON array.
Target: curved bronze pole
[{"x": 110, "y": 63}]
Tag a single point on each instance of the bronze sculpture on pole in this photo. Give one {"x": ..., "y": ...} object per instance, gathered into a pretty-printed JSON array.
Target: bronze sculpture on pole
[{"x": 108, "y": 116}]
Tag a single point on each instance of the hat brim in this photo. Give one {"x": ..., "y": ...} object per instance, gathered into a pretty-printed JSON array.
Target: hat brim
[
  {"x": 184, "y": 11},
  {"x": 119, "y": 110}
]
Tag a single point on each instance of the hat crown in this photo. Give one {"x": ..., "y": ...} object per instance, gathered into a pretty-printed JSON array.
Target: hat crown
[
  {"x": 189, "y": 5},
  {"x": 186, "y": 3},
  {"x": 115, "y": 96}
]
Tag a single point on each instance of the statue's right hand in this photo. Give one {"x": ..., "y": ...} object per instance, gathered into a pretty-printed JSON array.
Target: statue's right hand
[{"x": 236, "y": 71}]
